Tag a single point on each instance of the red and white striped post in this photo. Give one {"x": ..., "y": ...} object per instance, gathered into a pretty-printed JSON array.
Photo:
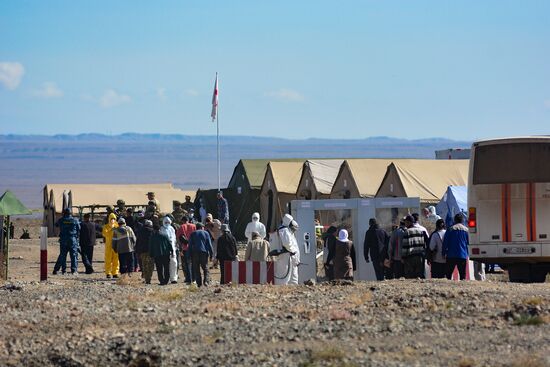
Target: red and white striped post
[{"x": 43, "y": 254}]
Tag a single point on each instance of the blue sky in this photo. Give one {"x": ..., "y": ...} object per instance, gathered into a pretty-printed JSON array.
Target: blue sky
[{"x": 413, "y": 69}]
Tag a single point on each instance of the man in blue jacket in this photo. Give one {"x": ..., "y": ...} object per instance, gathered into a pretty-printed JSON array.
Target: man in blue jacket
[
  {"x": 200, "y": 248},
  {"x": 69, "y": 230},
  {"x": 455, "y": 247}
]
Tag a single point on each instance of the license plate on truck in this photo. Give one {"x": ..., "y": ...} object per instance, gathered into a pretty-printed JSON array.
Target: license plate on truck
[{"x": 519, "y": 250}]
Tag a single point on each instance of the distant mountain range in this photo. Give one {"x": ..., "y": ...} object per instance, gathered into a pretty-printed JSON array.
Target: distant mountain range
[
  {"x": 233, "y": 139},
  {"x": 28, "y": 162}
]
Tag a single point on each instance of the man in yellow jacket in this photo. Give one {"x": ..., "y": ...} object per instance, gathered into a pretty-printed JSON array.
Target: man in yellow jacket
[{"x": 111, "y": 257}]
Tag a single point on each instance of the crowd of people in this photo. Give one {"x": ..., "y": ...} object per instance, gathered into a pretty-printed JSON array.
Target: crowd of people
[
  {"x": 403, "y": 252},
  {"x": 148, "y": 240}
]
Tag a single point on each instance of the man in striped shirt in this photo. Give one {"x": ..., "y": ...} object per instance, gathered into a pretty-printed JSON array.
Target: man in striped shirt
[{"x": 414, "y": 243}]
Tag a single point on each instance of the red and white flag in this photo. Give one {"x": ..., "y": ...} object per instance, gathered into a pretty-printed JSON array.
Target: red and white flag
[{"x": 215, "y": 100}]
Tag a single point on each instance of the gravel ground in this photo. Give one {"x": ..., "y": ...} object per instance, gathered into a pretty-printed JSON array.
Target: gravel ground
[{"x": 86, "y": 320}]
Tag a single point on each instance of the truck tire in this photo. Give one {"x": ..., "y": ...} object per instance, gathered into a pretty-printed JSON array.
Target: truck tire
[
  {"x": 538, "y": 273},
  {"x": 519, "y": 273}
]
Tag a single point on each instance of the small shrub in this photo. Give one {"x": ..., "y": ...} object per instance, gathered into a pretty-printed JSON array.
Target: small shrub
[
  {"x": 533, "y": 301},
  {"x": 529, "y": 361},
  {"x": 526, "y": 319},
  {"x": 466, "y": 362}
]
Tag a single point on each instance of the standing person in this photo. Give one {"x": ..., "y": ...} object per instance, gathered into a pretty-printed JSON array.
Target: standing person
[
  {"x": 438, "y": 261},
  {"x": 147, "y": 263},
  {"x": 87, "y": 242},
  {"x": 129, "y": 218},
  {"x": 257, "y": 249},
  {"x": 329, "y": 247},
  {"x": 124, "y": 243},
  {"x": 223, "y": 209},
  {"x": 455, "y": 247},
  {"x": 255, "y": 226},
  {"x": 227, "y": 250},
  {"x": 188, "y": 205},
  {"x": 200, "y": 247},
  {"x": 395, "y": 249},
  {"x": 69, "y": 230},
  {"x": 178, "y": 213},
  {"x": 202, "y": 212},
  {"x": 111, "y": 258},
  {"x": 151, "y": 197},
  {"x": 12, "y": 231},
  {"x": 120, "y": 209},
  {"x": 286, "y": 266},
  {"x": 214, "y": 227},
  {"x": 168, "y": 231},
  {"x": 343, "y": 253},
  {"x": 412, "y": 254},
  {"x": 182, "y": 235},
  {"x": 376, "y": 240},
  {"x": 160, "y": 249}
]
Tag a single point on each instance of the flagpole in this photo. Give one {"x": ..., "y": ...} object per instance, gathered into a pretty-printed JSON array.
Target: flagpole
[{"x": 218, "y": 143}]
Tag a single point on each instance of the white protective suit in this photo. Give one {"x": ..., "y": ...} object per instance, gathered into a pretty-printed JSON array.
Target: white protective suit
[
  {"x": 168, "y": 231},
  {"x": 433, "y": 217},
  {"x": 255, "y": 226},
  {"x": 286, "y": 266}
]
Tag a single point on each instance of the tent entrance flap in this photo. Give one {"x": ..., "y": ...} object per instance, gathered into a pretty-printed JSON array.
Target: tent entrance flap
[{"x": 351, "y": 214}]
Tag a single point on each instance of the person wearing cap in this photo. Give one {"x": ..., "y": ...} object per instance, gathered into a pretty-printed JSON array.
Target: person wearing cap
[
  {"x": 69, "y": 231},
  {"x": 170, "y": 233},
  {"x": 412, "y": 253},
  {"x": 188, "y": 204},
  {"x": 200, "y": 247},
  {"x": 223, "y": 209},
  {"x": 182, "y": 235},
  {"x": 120, "y": 209},
  {"x": 257, "y": 249},
  {"x": 151, "y": 197},
  {"x": 376, "y": 240},
  {"x": 124, "y": 243},
  {"x": 146, "y": 262},
  {"x": 226, "y": 251},
  {"x": 255, "y": 226},
  {"x": 286, "y": 264},
  {"x": 129, "y": 218},
  {"x": 112, "y": 265},
  {"x": 343, "y": 256},
  {"x": 178, "y": 213}
]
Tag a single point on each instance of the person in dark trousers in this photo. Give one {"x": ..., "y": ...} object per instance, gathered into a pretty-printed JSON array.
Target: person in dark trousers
[
  {"x": 223, "y": 209},
  {"x": 200, "y": 246},
  {"x": 124, "y": 244},
  {"x": 227, "y": 250},
  {"x": 455, "y": 247},
  {"x": 328, "y": 251},
  {"x": 437, "y": 260},
  {"x": 414, "y": 244},
  {"x": 182, "y": 235},
  {"x": 88, "y": 230},
  {"x": 69, "y": 230},
  {"x": 376, "y": 240},
  {"x": 395, "y": 250},
  {"x": 147, "y": 263},
  {"x": 160, "y": 249}
]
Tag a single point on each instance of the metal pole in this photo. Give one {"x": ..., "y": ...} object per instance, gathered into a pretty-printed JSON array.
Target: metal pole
[
  {"x": 43, "y": 253},
  {"x": 218, "y": 145},
  {"x": 7, "y": 248}
]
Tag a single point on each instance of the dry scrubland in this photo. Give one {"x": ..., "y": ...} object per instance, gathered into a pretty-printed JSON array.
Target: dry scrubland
[{"x": 88, "y": 320}]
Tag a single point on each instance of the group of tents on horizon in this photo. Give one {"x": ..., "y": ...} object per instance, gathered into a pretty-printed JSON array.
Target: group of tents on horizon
[{"x": 268, "y": 186}]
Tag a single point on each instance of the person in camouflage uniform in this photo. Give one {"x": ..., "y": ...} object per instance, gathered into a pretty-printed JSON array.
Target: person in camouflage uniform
[{"x": 178, "y": 213}]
